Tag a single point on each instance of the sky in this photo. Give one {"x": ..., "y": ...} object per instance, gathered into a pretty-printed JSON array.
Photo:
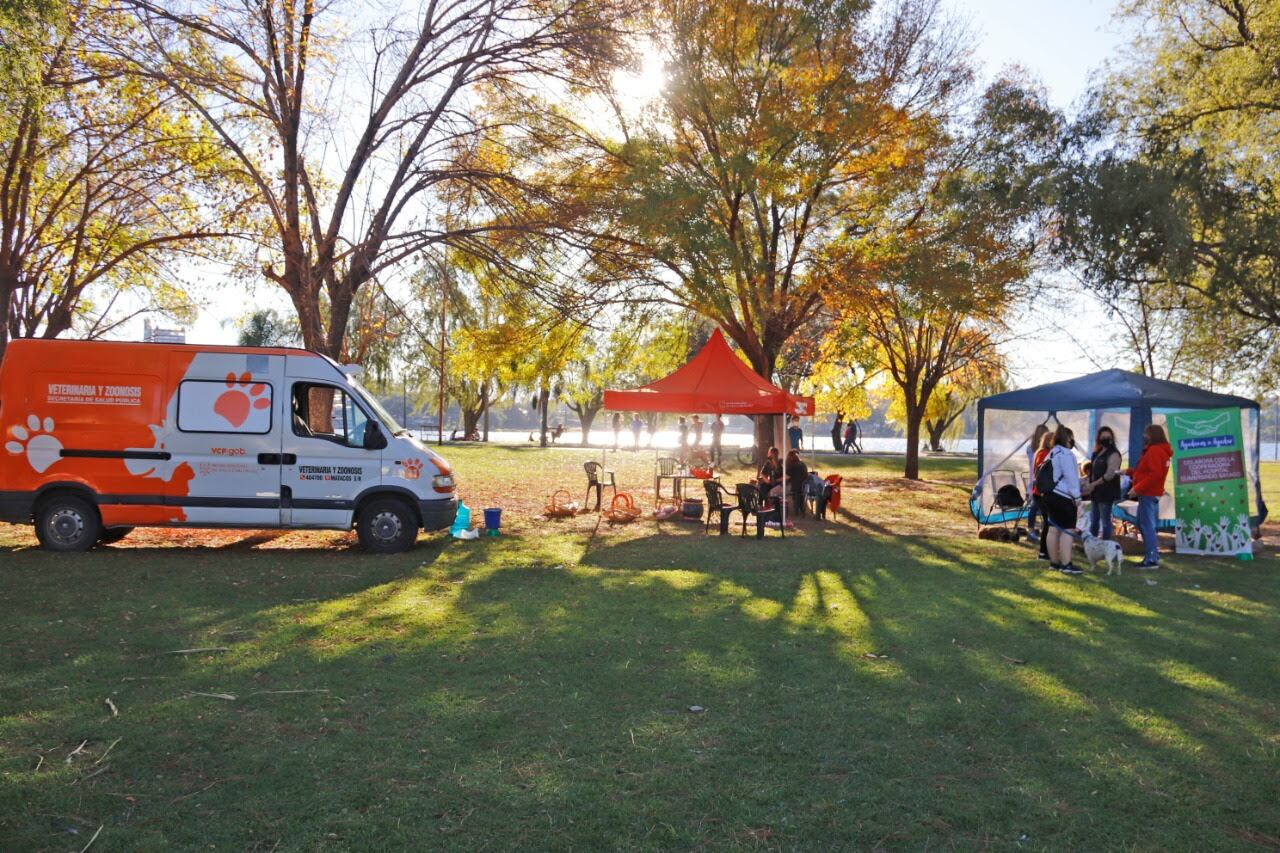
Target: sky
[{"x": 1061, "y": 43}]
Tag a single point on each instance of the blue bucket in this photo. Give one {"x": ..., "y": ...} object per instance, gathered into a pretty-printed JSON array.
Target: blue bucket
[{"x": 492, "y": 520}]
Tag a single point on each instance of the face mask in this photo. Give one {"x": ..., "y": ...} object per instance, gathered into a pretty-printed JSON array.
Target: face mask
[{"x": 1107, "y": 441}]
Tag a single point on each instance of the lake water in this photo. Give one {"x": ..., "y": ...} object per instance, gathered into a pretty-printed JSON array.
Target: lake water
[{"x": 667, "y": 439}]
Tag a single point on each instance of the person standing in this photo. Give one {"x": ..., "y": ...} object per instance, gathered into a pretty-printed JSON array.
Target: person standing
[
  {"x": 1060, "y": 502},
  {"x": 1033, "y": 446},
  {"x": 697, "y": 431},
  {"x": 1148, "y": 487},
  {"x": 851, "y": 436},
  {"x": 1103, "y": 486},
  {"x": 1042, "y": 454},
  {"x": 795, "y": 434},
  {"x": 837, "y": 432},
  {"x": 636, "y": 426},
  {"x": 617, "y": 428},
  {"x": 717, "y": 431},
  {"x": 682, "y": 427}
]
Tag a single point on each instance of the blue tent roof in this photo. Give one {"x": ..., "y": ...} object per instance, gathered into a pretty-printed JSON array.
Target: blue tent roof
[{"x": 1118, "y": 389}]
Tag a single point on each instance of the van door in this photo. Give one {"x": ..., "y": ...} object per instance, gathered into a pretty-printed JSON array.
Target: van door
[
  {"x": 225, "y": 441},
  {"x": 325, "y": 461}
]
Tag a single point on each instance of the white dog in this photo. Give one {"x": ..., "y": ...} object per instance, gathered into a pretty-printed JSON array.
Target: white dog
[{"x": 1102, "y": 551}]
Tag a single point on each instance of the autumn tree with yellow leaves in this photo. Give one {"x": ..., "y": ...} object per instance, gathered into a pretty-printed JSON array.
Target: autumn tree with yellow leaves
[
  {"x": 776, "y": 129},
  {"x": 928, "y": 289}
]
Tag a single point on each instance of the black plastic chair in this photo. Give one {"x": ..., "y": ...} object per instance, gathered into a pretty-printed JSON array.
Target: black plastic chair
[
  {"x": 716, "y": 507},
  {"x": 748, "y": 506},
  {"x": 598, "y": 478}
]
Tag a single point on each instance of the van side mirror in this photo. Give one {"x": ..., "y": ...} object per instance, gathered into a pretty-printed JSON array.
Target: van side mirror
[{"x": 373, "y": 437}]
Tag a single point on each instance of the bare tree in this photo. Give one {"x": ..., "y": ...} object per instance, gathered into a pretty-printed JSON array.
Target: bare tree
[{"x": 367, "y": 142}]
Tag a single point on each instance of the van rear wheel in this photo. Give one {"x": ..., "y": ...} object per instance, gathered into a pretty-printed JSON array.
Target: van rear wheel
[
  {"x": 386, "y": 526},
  {"x": 67, "y": 523}
]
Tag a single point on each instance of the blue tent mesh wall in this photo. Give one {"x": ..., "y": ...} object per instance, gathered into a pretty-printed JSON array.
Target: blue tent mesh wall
[{"x": 1126, "y": 402}]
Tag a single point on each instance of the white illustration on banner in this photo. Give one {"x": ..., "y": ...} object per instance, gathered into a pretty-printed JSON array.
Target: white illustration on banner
[
  {"x": 1224, "y": 538},
  {"x": 1195, "y": 426}
]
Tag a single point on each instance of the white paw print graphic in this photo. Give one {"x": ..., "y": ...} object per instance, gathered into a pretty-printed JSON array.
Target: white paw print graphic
[{"x": 35, "y": 440}]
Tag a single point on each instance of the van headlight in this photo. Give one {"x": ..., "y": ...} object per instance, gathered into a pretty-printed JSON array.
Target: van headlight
[{"x": 442, "y": 482}]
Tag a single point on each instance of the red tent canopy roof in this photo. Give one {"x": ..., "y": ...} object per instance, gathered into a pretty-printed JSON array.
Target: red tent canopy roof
[{"x": 715, "y": 381}]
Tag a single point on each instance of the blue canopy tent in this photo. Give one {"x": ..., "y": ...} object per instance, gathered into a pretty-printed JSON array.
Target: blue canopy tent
[{"x": 1126, "y": 402}]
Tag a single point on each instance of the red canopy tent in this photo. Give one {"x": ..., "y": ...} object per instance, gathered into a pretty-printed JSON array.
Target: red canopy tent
[{"x": 714, "y": 381}]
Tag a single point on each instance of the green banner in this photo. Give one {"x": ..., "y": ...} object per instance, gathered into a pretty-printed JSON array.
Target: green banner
[{"x": 1211, "y": 495}]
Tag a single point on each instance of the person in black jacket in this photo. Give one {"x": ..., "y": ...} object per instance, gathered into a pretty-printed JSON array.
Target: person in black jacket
[
  {"x": 797, "y": 473},
  {"x": 1103, "y": 486},
  {"x": 770, "y": 474}
]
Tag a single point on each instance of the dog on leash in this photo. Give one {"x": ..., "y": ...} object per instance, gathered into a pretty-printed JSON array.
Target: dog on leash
[{"x": 1102, "y": 551}]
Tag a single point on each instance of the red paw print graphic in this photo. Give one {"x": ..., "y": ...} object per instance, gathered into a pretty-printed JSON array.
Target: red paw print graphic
[
  {"x": 412, "y": 469},
  {"x": 241, "y": 397}
]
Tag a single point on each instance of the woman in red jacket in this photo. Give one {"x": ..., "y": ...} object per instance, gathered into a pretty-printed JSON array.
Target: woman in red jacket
[
  {"x": 1041, "y": 454},
  {"x": 1148, "y": 487}
]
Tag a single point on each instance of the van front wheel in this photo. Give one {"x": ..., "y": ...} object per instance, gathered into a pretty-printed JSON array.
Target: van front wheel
[
  {"x": 112, "y": 535},
  {"x": 386, "y": 526},
  {"x": 67, "y": 523}
]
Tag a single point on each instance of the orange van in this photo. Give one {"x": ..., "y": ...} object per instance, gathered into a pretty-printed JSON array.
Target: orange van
[{"x": 101, "y": 437}]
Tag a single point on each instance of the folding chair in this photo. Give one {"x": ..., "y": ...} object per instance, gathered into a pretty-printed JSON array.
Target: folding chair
[
  {"x": 598, "y": 478},
  {"x": 667, "y": 467},
  {"x": 1006, "y": 496}
]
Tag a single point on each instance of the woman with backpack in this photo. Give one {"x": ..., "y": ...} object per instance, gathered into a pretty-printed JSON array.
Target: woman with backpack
[
  {"x": 1059, "y": 483},
  {"x": 1042, "y": 454},
  {"x": 1148, "y": 487},
  {"x": 1103, "y": 486}
]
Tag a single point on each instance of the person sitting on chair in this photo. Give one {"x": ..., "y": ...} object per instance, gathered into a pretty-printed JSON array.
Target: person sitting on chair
[
  {"x": 797, "y": 472},
  {"x": 770, "y": 474}
]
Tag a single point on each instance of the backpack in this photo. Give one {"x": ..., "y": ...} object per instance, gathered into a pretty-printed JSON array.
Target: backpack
[{"x": 1045, "y": 482}]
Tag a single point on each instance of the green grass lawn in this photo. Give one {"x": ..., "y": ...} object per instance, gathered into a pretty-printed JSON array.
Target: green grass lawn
[{"x": 885, "y": 680}]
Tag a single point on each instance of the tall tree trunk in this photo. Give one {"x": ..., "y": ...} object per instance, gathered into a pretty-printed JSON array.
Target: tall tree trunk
[
  {"x": 6, "y": 299},
  {"x": 935, "y": 429},
  {"x": 484, "y": 401},
  {"x": 763, "y": 359},
  {"x": 470, "y": 420},
  {"x": 915, "y": 414},
  {"x": 544, "y": 398},
  {"x": 586, "y": 417}
]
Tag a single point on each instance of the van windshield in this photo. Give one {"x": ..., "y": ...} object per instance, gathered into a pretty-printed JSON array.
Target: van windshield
[{"x": 372, "y": 402}]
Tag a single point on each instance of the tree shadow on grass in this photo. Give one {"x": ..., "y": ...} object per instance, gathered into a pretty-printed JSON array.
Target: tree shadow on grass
[{"x": 502, "y": 695}]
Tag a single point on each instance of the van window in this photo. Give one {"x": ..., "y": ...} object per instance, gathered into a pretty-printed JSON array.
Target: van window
[
  {"x": 235, "y": 405},
  {"x": 328, "y": 412}
]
